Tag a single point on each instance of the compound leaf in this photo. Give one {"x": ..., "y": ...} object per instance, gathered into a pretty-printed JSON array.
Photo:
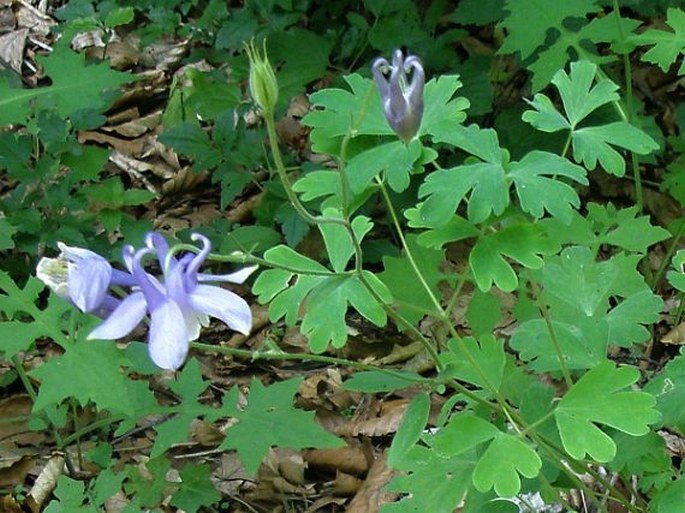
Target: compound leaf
[
  {"x": 410, "y": 430},
  {"x": 599, "y": 397},
  {"x": 93, "y": 367},
  {"x": 668, "y": 46},
  {"x": 580, "y": 98},
  {"x": 269, "y": 419},
  {"x": 67, "y": 91},
  {"x": 550, "y": 29},
  {"x": 623, "y": 229},
  {"x": 487, "y": 353},
  {"x": 196, "y": 488},
  {"x": 464, "y": 432},
  {"x": 578, "y": 94},
  {"x": 520, "y": 242},
  {"x": 339, "y": 246},
  {"x": 525, "y": 37},
  {"x": 537, "y": 186},
  {"x": 395, "y": 158},
  {"x": 443, "y": 112},
  {"x": 669, "y": 390},
  {"x": 445, "y": 189},
  {"x": 504, "y": 460},
  {"x": 595, "y": 143},
  {"x": 327, "y": 304},
  {"x": 431, "y": 482},
  {"x": 677, "y": 275}
]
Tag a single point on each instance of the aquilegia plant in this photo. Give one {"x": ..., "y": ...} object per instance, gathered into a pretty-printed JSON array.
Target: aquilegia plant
[{"x": 178, "y": 304}]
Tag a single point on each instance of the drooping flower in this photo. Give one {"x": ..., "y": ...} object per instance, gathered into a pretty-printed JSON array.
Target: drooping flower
[
  {"x": 179, "y": 306},
  {"x": 402, "y": 101},
  {"x": 82, "y": 277}
]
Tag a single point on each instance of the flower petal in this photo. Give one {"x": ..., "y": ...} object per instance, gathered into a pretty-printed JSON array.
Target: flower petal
[
  {"x": 54, "y": 272},
  {"x": 168, "y": 340},
  {"x": 238, "y": 276},
  {"x": 123, "y": 319},
  {"x": 89, "y": 279},
  {"x": 224, "y": 305}
]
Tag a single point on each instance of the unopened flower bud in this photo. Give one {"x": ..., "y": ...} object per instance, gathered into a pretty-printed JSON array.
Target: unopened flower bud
[
  {"x": 263, "y": 84},
  {"x": 402, "y": 100}
]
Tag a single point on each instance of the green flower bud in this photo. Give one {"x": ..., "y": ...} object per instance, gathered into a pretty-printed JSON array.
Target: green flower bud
[{"x": 263, "y": 84}]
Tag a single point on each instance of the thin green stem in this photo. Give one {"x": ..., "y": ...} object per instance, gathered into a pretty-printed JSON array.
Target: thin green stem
[
  {"x": 285, "y": 180},
  {"x": 405, "y": 247},
  {"x": 452, "y": 303},
  {"x": 630, "y": 110},
  {"x": 666, "y": 260},
  {"x": 308, "y": 357},
  {"x": 551, "y": 331},
  {"x": 442, "y": 314}
]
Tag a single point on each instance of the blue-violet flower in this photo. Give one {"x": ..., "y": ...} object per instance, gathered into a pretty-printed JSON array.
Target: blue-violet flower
[
  {"x": 179, "y": 306},
  {"x": 83, "y": 278},
  {"x": 402, "y": 101}
]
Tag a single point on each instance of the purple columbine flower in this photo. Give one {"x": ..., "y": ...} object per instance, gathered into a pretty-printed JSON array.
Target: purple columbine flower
[
  {"x": 83, "y": 278},
  {"x": 402, "y": 100},
  {"x": 179, "y": 306}
]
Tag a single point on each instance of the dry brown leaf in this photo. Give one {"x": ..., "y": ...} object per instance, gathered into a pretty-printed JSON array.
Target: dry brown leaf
[
  {"x": 674, "y": 443},
  {"x": 230, "y": 477},
  {"x": 8, "y": 504},
  {"x": 324, "y": 390},
  {"x": 325, "y": 501},
  {"x": 31, "y": 18},
  {"x": 205, "y": 433},
  {"x": 379, "y": 419},
  {"x": 120, "y": 54},
  {"x": 8, "y": 21},
  {"x": 371, "y": 496},
  {"x": 134, "y": 147},
  {"x": 346, "y": 485},
  {"x": 164, "y": 55},
  {"x": 46, "y": 482},
  {"x": 350, "y": 460},
  {"x": 136, "y": 126},
  {"x": 281, "y": 472},
  {"x": 676, "y": 336},
  {"x": 117, "y": 503},
  {"x": 138, "y": 168},
  {"x": 12, "y": 49},
  {"x": 184, "y": 181},
  {"x": 16, "y": 432},
  {"x": 152, "y": 83},
  {"x": 15, "y": 473}
]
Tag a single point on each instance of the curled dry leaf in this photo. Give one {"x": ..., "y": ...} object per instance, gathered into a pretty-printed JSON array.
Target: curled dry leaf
[
  {"x": 281, "y": 472},
  {"x": 676, "y": 336},
  {"x": 164, "y": 55},
  {"x": 15, "y": 470},
  {"x": 31, "y": 18},
  {"x": 346, "y": 485},
  {"x": 348, "y": 459},
  {"x": 379, "y": 418},
  {"x": 371, "y": 495},
  {"x": 12, "y": 49},
  {"x": 46, "y": 482}
]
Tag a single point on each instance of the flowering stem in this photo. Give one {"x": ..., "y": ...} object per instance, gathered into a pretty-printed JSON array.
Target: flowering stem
[
  {"x": 270, "y": 354},
  {"x": 405, "y": 247},
  {"x": 285, "y": 180}
]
